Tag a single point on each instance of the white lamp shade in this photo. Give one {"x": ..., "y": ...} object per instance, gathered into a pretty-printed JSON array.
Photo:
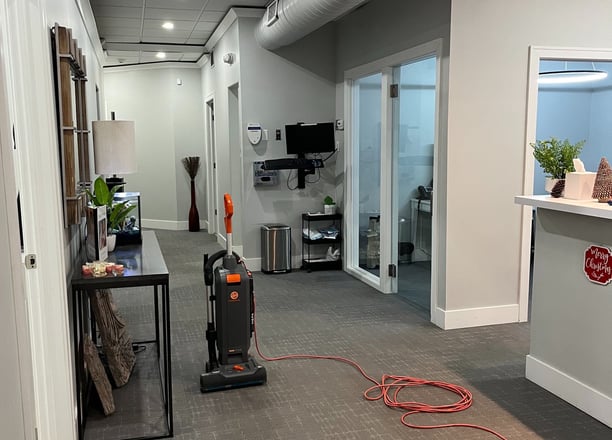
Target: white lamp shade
[{"x": 114, "y": 147}]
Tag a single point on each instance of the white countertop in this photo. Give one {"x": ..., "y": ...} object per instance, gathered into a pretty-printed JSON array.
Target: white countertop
[{"x": 591, "y": 208}]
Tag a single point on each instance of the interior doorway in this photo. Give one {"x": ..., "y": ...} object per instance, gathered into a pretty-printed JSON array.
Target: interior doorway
[
  {"x": 391, "y": 135},
  {"x": 414, "y": 137},
  {"x": 574, "y": 112}
]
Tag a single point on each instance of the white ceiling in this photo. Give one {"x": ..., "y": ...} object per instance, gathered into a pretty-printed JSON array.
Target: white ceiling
[{"x": 131, "y": 30}]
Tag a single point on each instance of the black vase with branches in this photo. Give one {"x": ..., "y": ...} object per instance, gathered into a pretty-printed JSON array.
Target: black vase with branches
[{"x": 192, "y": 166}]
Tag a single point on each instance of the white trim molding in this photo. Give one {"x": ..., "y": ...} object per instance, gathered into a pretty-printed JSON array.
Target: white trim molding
[
  {"x": 475, "y": 317},
  {"x": 570, "y": 389},
  {"x": 170, "y": 225}
]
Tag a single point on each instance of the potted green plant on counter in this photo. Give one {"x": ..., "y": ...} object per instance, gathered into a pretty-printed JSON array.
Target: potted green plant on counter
[
  {"x": 556, "y": 158},
  {"x": 329, "y": 206},
  {"x": 116, "y": 212}
]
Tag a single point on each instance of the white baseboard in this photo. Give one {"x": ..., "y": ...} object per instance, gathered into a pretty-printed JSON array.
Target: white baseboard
[
  {"x": 170, "y": 225},
  {"x": 253, "y": 264},
  {"x": 475, "y": 317},
  {"x": 582, "y": 396}
]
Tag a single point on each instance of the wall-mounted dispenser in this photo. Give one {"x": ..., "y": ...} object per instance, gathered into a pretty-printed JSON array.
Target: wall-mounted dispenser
[
  {"x": 263, "y": 177},
  {"x": 254, "y": 133}
]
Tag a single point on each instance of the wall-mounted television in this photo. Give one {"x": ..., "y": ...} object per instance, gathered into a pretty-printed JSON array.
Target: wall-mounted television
[{"x": 310, "y": 138}]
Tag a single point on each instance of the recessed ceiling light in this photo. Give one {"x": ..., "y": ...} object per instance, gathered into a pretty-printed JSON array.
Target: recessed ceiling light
[
  {"x": 168, "y": 25},
  {"x": 160, "y": 54}
]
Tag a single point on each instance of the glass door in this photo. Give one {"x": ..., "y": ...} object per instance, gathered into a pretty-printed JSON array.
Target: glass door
[
  {"x": 390, "y": 138},
  {"x": 414, "y": 123},
  {"x": 368, "y": 92}
]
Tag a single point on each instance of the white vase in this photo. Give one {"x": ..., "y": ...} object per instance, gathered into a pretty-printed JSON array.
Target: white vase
[
  {"x": 329, "y": 209},
  {"x": 111, "y": 241},
  {"x": 549, "y": 184}
]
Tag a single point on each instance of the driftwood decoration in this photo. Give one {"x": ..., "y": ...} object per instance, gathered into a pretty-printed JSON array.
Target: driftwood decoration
[
  {"x": 116, "y": 341},
  {"x": 99, "y": 377}
]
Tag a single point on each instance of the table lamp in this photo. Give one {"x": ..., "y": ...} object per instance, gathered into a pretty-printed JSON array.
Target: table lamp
[{"x": 114, "y": 149}]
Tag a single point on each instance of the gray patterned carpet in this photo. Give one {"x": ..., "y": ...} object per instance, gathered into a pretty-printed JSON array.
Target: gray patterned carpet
[{"x": 330, "y": 313}]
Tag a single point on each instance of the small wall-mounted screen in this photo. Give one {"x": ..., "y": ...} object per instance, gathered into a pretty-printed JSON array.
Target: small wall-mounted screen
[{"x": 310, "y": 138}]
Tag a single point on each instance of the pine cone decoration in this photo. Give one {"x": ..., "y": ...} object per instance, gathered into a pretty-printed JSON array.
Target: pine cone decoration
[
  {"x": 557, "y": 190},
  {"x": 602, "y": 189}
]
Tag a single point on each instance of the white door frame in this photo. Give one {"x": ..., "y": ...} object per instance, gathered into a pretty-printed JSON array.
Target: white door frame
[
  {"x": 537, "y": 53},
  {"x": 19, "y": 417},
  {"x": 388, "y": 205},
  {"x": 211, "y": 159},
  {"x": 38, "y": 176}
]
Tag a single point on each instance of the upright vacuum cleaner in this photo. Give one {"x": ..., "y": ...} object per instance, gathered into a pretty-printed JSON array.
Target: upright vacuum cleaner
[{"x": 230, "y": 307}]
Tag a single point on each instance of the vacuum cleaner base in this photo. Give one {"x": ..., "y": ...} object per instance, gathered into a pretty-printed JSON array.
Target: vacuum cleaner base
[{"x": 225, "y": 377}]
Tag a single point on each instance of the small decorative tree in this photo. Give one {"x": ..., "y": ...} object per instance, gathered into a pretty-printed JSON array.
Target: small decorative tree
[
  {"x": 556, "y": 157},
  {"x": 192, "y": 166}
]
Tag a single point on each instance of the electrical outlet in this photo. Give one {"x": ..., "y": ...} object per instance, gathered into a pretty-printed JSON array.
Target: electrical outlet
[{"x": 278, "y": 134}]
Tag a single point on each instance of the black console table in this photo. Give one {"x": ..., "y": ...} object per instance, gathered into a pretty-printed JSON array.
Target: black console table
[{"x": 144, "y": 265}]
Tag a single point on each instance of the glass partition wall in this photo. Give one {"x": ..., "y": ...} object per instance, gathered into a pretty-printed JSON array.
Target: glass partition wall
[{"x": 390, "y": 136}]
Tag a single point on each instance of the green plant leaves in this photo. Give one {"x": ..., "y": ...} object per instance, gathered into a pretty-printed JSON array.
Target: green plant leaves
[
  {"x": 556, "y": 157},
  {"x": 103, "y": 196}
]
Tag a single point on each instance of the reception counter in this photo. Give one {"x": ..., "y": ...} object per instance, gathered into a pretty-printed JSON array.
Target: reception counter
[{"x": 571, "y": 306}]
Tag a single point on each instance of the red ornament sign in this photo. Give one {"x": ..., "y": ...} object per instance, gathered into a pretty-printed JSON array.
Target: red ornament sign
[{"x": 598, "y": 264}]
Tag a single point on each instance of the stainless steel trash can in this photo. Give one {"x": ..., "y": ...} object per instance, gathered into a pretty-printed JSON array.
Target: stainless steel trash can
[{"x": 275, "y": 248}]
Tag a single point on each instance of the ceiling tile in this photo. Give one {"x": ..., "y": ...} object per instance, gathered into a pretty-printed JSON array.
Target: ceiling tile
[
  {"x": 213, "y": 16},
  {"x": 162, "y": 33},
  {"x": 178, "y": 25},
  {"x": 197, "y": 41},
  {"x": 224, "y": 5},
  {"x": 170, "y": 14},
  {"x": 103, "y": 22},
  {"x": 205, "y": 26},
  {"x": 129, "y": 3},
  {"x": 109, "y": 33},
  {"x": 117, "y": 12},
  {"x": 177, "y": 4},
  {"x": 170, "y": 40}
]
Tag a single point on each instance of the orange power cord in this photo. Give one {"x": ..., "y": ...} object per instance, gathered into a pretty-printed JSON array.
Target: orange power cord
[{"x": 390, "y": 387}]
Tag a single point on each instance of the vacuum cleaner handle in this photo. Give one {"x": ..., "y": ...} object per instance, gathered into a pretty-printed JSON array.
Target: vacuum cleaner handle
[{"x": 229, "y": 212}]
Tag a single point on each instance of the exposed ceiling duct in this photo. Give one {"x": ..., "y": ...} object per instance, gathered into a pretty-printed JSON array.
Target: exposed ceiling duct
[{"x": 286, "y": 21}]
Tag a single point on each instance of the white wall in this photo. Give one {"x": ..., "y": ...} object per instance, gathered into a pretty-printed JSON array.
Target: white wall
[
  {"x": 486, "y": 152},
  {"x": 28, "y": 62},
  {"x": 169, "y": 123}
]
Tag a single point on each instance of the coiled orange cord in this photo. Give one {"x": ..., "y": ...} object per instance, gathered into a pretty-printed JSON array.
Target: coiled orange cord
[{"x": 390, "y": 386}]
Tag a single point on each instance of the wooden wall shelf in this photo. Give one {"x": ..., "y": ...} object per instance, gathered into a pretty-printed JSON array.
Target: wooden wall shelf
[{"x": 73, "y": 135}]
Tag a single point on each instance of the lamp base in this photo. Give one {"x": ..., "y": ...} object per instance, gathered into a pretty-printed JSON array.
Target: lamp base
[{"x": 114, "y": 181}]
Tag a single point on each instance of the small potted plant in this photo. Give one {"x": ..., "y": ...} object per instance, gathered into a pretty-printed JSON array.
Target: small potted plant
[
  {"x": 116, "y": 212},
  {"x": 329, "y": 206},
  {"x": 556, "y": 158}
]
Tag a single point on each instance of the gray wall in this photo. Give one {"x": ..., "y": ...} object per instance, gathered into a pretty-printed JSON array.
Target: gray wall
[
  {"x": 275, "y": 89},
  {"x": 169, "y": 122},
  {"x": 385, "y": 27}
]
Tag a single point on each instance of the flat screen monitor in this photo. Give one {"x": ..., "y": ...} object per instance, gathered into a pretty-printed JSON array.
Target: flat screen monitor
[{"x": 310, "y": 138}]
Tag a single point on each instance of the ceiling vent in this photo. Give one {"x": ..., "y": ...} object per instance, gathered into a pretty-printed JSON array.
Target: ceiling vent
[{"x": 286, "y": 21}]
